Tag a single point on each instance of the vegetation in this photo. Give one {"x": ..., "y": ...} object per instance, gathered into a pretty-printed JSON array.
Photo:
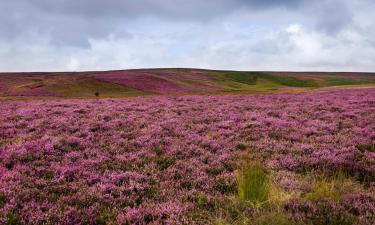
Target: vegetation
[
  {"x": 286, "y": 158},
  {"x": 253, "y": 184},
  {"x": 167, "y": 82},
  {"x": 339, "y": 81},
  {"x": 84, "y": 87},
  {"x": 239, "y": 77},
  {"x": 288, "y": 81}
]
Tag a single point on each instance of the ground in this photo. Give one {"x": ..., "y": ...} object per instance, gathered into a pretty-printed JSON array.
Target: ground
[{"x": 293, "y": 158}]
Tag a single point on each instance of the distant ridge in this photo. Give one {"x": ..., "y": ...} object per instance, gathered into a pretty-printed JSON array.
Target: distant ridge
[{"x": 174, "y": 81}]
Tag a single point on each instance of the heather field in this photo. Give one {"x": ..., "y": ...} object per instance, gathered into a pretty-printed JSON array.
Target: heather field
[{"x": 306, "y": 158}]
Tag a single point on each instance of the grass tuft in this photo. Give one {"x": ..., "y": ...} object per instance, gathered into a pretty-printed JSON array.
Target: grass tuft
[
  {"x": 253, "y": 184},
  {"x": 331, "y": 187}
]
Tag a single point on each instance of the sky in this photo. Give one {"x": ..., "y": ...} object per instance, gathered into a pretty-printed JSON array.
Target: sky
[{"x": 277, "y": 35}]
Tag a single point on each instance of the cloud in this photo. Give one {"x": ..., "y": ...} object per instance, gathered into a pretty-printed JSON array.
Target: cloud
[
  {"x": 43, "y": 35},
  {"x": 332, "y": 16},
  {"x": 192, "y": 9},
  {"x": 71, "y": 22},
  {"x": 295, "y": 48}
]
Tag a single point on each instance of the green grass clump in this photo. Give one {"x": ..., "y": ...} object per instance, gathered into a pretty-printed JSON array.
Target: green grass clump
[
  {"x": 325, "y": 189},
  {"x": 253, "y": 184},
  {"x": 331, "y": 187}
]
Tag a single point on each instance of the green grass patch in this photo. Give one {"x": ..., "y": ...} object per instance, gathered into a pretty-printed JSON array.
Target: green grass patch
[
  {"x": 288, "y": 81},
  {"x": 339, "y": 81},
  {"x": 253, "y": 184},
  {"x": 240, "y": 77},
  {"x": 257, "y": 82},
  {"x": 323, "y": 188},
  {"x": 331, "y": 187}
]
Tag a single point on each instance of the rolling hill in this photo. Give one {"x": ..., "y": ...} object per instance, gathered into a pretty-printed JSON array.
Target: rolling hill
[{"x": 127, "y": 83}]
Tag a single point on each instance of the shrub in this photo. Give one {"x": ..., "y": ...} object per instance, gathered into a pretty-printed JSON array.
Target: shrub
[
  {"x": 68, "y": 145},
  {"x": 97, "y": 94},
  {"x": 106, "y": 216},
  {"x": 366, "y": 147},
  {"x": 360, "y": 204},
  {"x": 241, "y": 146},
  {"x": 164, "y": 162},
  {"x": 203, "y": 202},
  {"x": 13, "y": 219},
  {"x": 48, "y": 175},
  {"x": 2, "y": 200},
  {"x": 224, "y": 185},
  {"x": 322, "y": 211},
  {"x": 232, "y": 211},
  {"x": 253, "y": 183}
]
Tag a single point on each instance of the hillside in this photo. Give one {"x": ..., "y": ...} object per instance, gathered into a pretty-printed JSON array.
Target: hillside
[{"x": 142, "y": 82}]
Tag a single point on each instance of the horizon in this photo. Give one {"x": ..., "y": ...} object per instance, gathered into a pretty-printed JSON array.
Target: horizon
[{"x": 187, "y": 68}]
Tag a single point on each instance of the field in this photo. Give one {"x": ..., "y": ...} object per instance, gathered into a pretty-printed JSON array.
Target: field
[
  {"x": 129, "y": 83},
  {"x": 276, "y": 158}
]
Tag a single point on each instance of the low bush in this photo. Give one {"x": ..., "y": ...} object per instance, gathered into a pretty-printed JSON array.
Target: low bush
[{"x": 319, "y": 212}]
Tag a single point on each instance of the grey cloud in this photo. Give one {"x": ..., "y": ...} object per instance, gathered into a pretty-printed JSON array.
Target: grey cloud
[
  {"x": 72, "y": 22},
  {"x": 272, "y": 3},
  {"x": 23, "y": 21},
  {"x": 333, "y": 16},
  {"x": 49, "y": 33},
  {"x": 192, "y": 9}
]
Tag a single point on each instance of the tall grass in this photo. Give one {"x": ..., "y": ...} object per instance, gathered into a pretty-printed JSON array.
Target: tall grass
[
  {"x": 332, "y": 186},
  {"x": 253, "y": 183}
]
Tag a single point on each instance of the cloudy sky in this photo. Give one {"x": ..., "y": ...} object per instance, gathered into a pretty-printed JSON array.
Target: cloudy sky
[{"x": 75, "y": 35}]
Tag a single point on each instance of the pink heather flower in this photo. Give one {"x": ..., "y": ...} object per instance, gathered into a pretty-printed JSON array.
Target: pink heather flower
[{"x": 139, "y": 160}]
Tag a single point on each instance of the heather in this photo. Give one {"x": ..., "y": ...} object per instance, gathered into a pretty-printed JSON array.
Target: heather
[{"x": 303, "y": 158}]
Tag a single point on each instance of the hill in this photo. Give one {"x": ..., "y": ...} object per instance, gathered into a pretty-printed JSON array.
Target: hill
[{"x": 126, "y": 83}]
